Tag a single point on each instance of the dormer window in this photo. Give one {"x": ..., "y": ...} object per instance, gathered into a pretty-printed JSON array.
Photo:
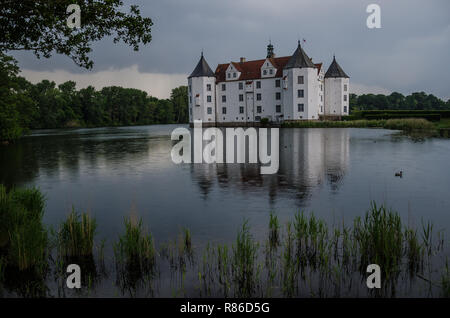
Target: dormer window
[
  {"x": 271, "y": 71},
  {"x": 229, "y": 75},
  {"x": 265, "y": 72},
  {"x": 234, "y": 74}
]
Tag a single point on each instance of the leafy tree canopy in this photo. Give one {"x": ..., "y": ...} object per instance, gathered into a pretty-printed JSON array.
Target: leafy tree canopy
[{"x": 40, "y": 26}]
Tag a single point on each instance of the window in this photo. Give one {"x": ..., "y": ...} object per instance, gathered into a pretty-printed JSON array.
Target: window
[
  {"x": 208, "y": 98},
  {"x": 241, "y": 85},
  {"x": 241, "y": 110},
  {"x": 224, "y": 110},
  {"x": 321, "y": 109},
  {"x": 278, "y": 108},
  {"x": 258, "y": 84},
  {"x": 321, "y": 98},
  {"x": 345, "y": 87},
  {"x": 190, "y": 111},
  {"x": 241, "y": 97},
  {"x": 277, "y": 83},
  {"x": 258, "y": 109},
  {"x": 234, "y": 74},
  {"x": 209, "y": 109},
  {"x": 190, "y": 99},
  {"x": 321, "y": 88},
  {"x": 278, "y": 96},
  {"x": 345, "y": 98},
  {"x": 345, "y": 109},
  {"x": 300, "y": 80},
  {"x": 301, "y": 107},
  {"x": 190, "y": 88},
  {"x": 208, "y": 87},
  {"x": 265, "y": 72},
  {"x": 271, "y": 71},
  {"x": 229, "y": 75},
  {"x": 224, "y": 87},
  {"x": 224, "y": 98},
  {"x": 258, "y": 96},
  {"x": 300, "y": 93}
]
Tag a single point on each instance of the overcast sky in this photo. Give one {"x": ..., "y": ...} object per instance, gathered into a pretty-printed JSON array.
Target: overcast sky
[{"x": 409, "y": 53}]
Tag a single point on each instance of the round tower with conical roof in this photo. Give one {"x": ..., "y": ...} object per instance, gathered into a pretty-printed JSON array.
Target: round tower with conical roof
[
  {"x": 300, "y": 87},
  {"x": 202, "y": 93},
  {"x": 336, "y": 91}
]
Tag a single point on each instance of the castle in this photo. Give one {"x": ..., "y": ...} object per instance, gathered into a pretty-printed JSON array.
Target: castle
[{"x": 288, "y": 88}]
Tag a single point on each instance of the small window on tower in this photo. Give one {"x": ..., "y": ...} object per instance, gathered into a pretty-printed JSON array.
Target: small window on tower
[
  {"x": 241, "y": 85},
  {"x": 300, "y": 93},
  {"x": 345, "y": 87},
  {"x": 258, "y": 84},
  {"x": 301, "y": 107},
  {"x": 300, "y": 80},
  {"x": 223, "y": 87},
  {"x": 278, "y": 108},
  {"x": 345, "y": 98},
  {"x": 208, "y": 87},
  {"x": 208, "y": 98},
  {"x": 241, "y": 110},
  {"x": 224, "y": 110},
  {"x": 258, "y": 109},
  {"x": 278, "y": 96},
  {"x": 277, "y": 83},
  {"x": 258, "y": 96},
  {"x": 224, "y": 98},
  {"x": 241, "y": 97},
  {"x": 209, "y": 110}
]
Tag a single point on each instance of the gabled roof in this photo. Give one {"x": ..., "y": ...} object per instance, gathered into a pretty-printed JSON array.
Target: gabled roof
[
  {"x": 299, "y": 59},
  {"x": 202, "y": 69},
  {"x": 252, "y": 69},
  {"x": 335, "y": 70}
]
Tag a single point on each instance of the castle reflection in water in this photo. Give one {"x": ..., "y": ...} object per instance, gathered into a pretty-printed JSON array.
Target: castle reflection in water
[{"x": 308, "y": 158}]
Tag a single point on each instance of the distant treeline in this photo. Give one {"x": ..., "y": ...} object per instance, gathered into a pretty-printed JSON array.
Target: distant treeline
[
  {"x": 397, "y": 101},
  {"x": 25, "y": 106}
]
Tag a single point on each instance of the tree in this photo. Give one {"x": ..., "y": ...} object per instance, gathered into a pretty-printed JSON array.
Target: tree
[
  {"x": 12, "y": 99},
  {"x": 40, "y": 26}
]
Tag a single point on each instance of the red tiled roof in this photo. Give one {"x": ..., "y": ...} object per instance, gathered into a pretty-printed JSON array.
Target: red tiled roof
[{"x": 252, "y": 69}]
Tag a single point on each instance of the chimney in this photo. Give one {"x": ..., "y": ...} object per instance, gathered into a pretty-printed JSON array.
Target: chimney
[{"x": 242, "y": 60}]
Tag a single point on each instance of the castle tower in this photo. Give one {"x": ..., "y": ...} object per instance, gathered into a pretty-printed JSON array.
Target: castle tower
[
  {"x": 336, "y": 91},
  {"x": 202, "y": 93},
  {"x": 300, "y": 87},
  {"x": 270, "y": 52}
]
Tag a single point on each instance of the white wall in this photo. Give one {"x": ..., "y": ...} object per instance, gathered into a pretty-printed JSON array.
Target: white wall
[
  {"x": 198, "y": 85},
  {"x": 334, "y": 96}
]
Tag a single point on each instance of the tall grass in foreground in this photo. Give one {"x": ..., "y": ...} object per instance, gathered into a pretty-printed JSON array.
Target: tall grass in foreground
[
  {"x": 244, "y": 266},
  {"x": 76, "y": 235},
  {"x": 135, "y": 249},
  {"x": 23, "y": 238}
]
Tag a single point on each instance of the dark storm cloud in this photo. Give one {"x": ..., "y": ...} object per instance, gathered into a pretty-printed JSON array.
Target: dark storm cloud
[{"x": 409, "y": 53}]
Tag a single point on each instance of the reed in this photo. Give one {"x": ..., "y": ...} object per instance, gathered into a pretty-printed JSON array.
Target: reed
[
  {"x": 380, "y": 240},
  {"x": 76, "y": 235},
  {"x": 274, "y": 228},
  {"x": 135, "y": 248},
  {"x": 244, "y": 262},
  {"x": 445, "y": 280},
  {"x": 22, "y": 234}
]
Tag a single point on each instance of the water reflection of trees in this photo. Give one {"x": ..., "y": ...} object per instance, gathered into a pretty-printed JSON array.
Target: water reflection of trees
[
  {"x": 63, "y": 155},
  {"x": 309, "y": 158}
]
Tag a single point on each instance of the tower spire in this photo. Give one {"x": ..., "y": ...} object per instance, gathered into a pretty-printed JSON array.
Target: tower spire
[{"x": 270, "y": 52}]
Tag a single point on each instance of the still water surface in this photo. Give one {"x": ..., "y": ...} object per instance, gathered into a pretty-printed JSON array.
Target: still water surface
[
  {"x": 333, "y": 172},
  {"x": 112, "y": 172}
]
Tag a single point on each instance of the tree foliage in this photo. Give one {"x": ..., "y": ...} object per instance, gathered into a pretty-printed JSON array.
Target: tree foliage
[
  {"x": 397, "y": 101},
  {"x": 40, "y": 26}
]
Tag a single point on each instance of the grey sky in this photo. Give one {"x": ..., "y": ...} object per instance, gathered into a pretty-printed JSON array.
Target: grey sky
[{"x": 409, "y": 53}]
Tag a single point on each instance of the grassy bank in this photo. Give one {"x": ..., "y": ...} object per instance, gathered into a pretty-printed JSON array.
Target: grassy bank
[
  {"x": 438, "y": 129},
  {"x": 305, "y": 256},
  {"x": 398, "y": 124}
]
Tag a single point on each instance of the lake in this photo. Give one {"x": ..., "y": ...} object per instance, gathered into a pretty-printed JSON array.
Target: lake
[{"x": 335, "y": 173}]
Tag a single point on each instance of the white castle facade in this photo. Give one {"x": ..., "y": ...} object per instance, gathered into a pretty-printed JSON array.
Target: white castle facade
[{"x": 289, "y": 88}]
